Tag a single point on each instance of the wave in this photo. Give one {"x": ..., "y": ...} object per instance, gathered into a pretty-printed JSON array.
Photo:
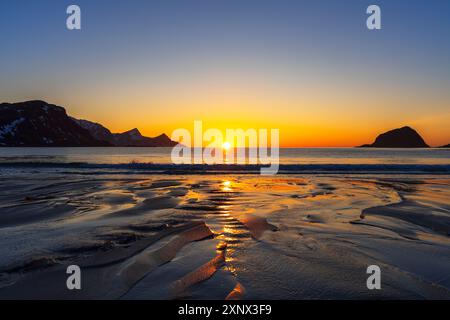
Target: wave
[{"x": 149, "y": 168}]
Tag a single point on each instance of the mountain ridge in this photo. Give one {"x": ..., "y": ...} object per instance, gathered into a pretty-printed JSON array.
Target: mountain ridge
[
  {"x": 130, "y": 138},
  {"x": 36, "y": 123}
]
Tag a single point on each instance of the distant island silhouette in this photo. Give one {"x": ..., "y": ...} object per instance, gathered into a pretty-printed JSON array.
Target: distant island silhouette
[
  {"x": 40, "y": 124},
  {"x": 405, "y": 137}
]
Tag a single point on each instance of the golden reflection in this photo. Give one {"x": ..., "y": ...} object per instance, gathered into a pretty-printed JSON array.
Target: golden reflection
[
  {"x": 222, "y": 245},
  {"x": 229, "y": 259},
  {"x": 226, "y": 186},
  {"x": 232, "y": 269},
  {"x": 224, "y": 209},
  {"x": 229, "y": 230},
  {"x": 237, "y": 293},
  {"x": 227, "y": 234}
]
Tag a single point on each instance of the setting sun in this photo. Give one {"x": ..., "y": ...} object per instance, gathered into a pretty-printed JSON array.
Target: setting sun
[{"x": 226, "y": 146}]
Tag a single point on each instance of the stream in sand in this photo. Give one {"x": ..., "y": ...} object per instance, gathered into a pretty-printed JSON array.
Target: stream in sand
[{"x": 224, "y": 236}]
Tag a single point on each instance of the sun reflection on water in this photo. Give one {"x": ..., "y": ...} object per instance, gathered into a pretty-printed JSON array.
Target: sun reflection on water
[{"x": 226, "y": 186}]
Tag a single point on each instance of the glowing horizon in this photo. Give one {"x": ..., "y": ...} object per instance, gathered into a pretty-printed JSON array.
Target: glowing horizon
[{"x": 319, "y": 76}]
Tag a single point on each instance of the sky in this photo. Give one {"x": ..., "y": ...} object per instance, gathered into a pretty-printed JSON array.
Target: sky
[{"x": 311, "y": 69}]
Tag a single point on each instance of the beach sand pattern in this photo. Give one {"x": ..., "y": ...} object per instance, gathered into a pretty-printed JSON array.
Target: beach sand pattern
[{"x": 224, "y": 236}]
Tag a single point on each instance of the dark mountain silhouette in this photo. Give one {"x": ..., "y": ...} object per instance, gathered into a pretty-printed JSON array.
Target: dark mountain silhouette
[
  {"x": 446, "y": 146},
  {"x": 131, "y": 138},
  {"x": 37, "y": 123},
  {"x": 98, "y": 131},
  {"x": 405, "y": 137}
]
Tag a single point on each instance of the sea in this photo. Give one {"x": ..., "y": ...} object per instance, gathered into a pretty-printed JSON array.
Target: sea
[{"x": 129, "y": 160}]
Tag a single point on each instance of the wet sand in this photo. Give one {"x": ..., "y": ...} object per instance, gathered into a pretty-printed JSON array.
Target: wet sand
[{"x": 224, "y": 237}]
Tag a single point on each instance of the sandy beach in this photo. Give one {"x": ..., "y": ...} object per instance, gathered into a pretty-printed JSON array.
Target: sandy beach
[{"x": 224, "y": 236}]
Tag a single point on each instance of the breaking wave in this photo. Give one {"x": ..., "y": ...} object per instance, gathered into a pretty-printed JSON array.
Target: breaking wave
[{"x": 153, "y": 168}]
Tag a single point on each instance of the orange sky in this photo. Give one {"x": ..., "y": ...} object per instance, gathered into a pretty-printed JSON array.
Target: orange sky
[
  {"x": 302, "y": 127},
  {"x": 330, "y": 115}
]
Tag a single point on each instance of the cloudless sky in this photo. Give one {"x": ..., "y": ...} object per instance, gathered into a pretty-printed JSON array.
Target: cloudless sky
[{"x": 310, "y": 68}]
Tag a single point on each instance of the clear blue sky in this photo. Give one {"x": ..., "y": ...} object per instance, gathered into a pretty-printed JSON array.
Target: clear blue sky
[{"x": 170, "y": 60}]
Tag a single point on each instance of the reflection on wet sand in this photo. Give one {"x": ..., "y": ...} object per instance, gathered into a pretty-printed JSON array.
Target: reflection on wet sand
[{"x": 233, "y": 237}]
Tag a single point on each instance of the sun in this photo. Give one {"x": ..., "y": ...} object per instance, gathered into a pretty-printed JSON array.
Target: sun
[{"x": 226, "y": 146}]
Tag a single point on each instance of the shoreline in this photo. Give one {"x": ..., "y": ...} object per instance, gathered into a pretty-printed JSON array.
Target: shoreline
[{"x": 313, "y": 235}]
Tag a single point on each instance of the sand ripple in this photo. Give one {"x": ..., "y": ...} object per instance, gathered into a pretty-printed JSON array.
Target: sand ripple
[{"x": 225, "y": 237}]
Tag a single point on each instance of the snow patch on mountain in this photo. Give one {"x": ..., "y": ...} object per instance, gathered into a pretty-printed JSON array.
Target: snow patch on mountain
[{"x": 10, "y": 129}]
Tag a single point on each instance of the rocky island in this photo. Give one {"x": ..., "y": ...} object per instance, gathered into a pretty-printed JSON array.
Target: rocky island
[{"x": 405, "y": 137}]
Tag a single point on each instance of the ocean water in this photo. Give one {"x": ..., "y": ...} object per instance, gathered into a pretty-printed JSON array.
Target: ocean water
[{"x": 292, "y": 160}]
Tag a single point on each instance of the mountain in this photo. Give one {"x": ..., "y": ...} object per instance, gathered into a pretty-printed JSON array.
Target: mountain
[
  {"x": 405, "y": 137},
  {"x": 131, "y": 138},
  {"x": 98, "y": 131},
  {"x": 37, "y": 124},
  {"x": 446, "y": 146}
]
